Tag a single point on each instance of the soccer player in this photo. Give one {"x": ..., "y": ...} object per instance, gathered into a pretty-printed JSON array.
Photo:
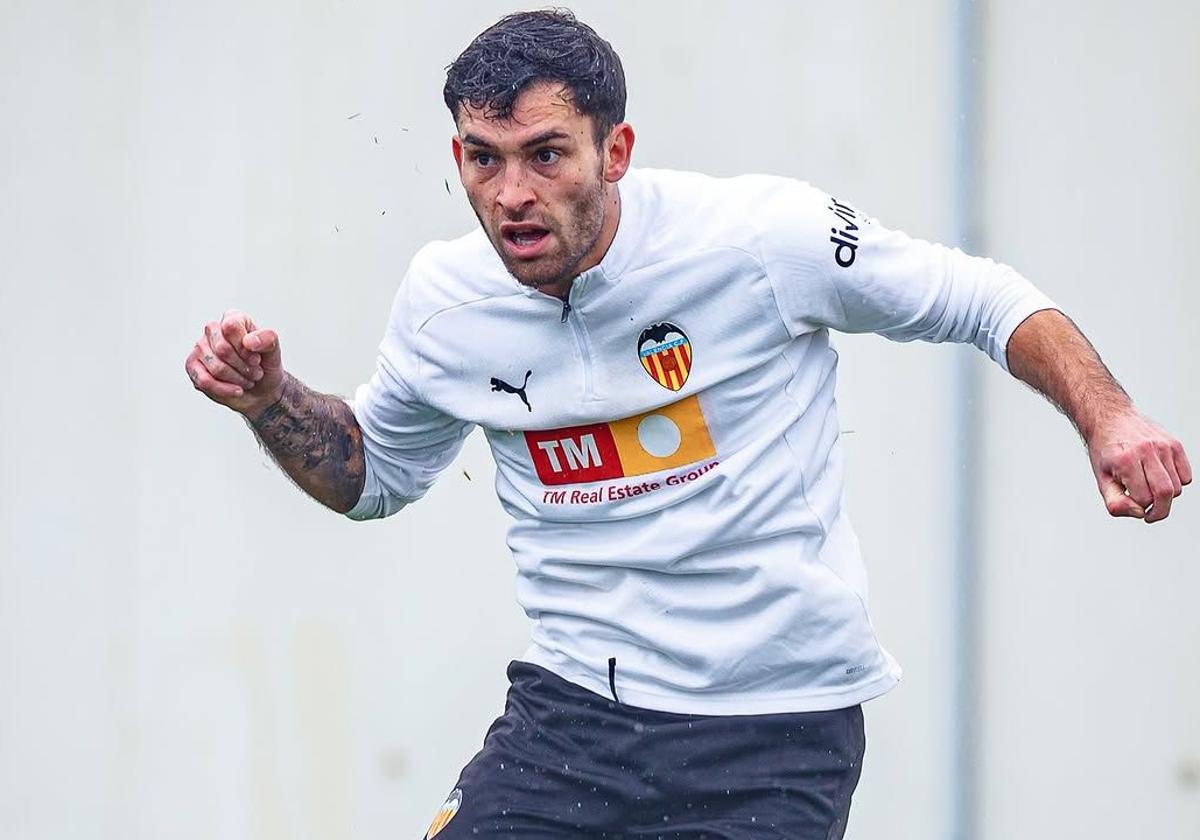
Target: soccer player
[{"x": 648, "y": 354}]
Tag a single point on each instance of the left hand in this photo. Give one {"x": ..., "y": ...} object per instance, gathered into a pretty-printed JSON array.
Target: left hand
[{"x": 1140, "y": 469}]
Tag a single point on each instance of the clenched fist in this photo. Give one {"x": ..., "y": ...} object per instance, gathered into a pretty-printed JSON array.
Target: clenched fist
[
  {"x": 1140, "y": 469},
  {"x": 236, "y": 364}
]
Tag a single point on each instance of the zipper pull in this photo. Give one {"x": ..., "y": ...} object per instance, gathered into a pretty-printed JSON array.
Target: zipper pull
[{"x": 566, "y": 311}]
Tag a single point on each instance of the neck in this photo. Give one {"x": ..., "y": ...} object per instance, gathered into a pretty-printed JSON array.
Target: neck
[{"x": 608, "y": 232}]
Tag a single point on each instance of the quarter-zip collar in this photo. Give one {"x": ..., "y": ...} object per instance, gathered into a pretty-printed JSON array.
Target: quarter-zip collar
[
  {"x": 620, "y": 251},
  {"x": 629, "y": 229}
]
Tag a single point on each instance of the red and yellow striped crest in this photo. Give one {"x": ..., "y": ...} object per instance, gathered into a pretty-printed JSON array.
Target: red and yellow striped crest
[
  {"x": 666, "y": 353},
  {"x": 445, "y": 813}
]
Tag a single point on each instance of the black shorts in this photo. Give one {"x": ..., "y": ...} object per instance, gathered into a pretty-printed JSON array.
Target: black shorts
[{"x": 564, "y": 762}]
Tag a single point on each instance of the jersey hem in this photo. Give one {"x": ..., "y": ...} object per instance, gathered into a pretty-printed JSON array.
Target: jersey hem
[{"x": 751, "y": 704}]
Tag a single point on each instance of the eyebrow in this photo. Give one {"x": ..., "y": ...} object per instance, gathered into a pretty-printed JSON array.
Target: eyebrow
[{"x": 545, "y": 136}]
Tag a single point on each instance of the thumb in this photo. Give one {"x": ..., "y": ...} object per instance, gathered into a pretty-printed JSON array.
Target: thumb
[
  {"x": 265, "y": 343},
  {"x": 1116, "y": 501}
]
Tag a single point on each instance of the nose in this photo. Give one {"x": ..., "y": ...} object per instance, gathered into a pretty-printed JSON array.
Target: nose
[{"x": 515, "y": 194}]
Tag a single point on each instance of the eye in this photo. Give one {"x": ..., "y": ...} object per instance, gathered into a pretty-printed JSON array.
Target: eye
[
  {"x": 548, "y": 156},
  {"x": 483, "y": 159}
]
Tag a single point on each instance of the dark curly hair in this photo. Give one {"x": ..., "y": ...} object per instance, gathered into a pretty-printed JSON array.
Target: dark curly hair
[{"x": 544, "y": 46}]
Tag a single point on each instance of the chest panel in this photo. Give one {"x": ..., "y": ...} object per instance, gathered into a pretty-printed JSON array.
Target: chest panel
[{"x": 653, "y": 337}]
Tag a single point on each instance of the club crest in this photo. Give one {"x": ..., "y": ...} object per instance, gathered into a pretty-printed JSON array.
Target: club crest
[
  {"x": 445, "y": 813},
  {"x": 666, "y": 353}
]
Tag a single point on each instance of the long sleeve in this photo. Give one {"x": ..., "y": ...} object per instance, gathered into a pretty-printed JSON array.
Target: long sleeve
[
  {"x": 406, "y": 442},
  {"x": 832, "y": 266}
]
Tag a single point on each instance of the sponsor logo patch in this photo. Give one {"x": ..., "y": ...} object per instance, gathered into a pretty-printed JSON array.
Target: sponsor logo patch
[
  {"x": 445, "y": 813},
  {"x": 672, "y": 436},
  {"x": 845, "y": 235},
  {"x": 666, "y": 354}
]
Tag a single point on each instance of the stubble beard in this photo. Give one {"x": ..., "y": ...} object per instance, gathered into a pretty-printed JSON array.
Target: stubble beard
[{"x": 583, "y": 226}]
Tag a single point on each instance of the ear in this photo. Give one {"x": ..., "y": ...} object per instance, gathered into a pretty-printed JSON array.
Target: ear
[
  {"x": 618, "y": 152},
  {"x": 456, "y": 148}
]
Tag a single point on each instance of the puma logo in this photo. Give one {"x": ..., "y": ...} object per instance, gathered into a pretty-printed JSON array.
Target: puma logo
[{"x": 501, "y": 385}]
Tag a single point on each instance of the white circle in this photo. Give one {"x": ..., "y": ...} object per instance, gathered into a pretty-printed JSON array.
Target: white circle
[{"x": 659, "y": 436}]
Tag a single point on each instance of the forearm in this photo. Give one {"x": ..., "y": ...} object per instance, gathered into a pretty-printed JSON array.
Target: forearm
[
  {"x": 1049, "y": 353},
  {"x": 315, "y": 440}
]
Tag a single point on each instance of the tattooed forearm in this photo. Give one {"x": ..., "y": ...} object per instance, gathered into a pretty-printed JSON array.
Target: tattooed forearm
[{"x": 316, "y": 440}]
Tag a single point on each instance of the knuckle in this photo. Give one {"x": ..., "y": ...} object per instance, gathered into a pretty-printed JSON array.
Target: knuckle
[{"x": 230, "y": 357}]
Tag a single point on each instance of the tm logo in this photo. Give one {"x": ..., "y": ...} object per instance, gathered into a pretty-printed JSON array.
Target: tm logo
[
  {"x": 579, "y": 455},
  {"x": 574, "y": 455},
  {"x": 668, "y": 437}
]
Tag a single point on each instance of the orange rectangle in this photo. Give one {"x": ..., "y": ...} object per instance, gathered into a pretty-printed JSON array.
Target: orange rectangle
[{"x": 668, "y": 437}]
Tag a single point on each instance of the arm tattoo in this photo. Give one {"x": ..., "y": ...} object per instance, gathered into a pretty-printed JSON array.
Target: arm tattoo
[{"x": 316, "y": 440}]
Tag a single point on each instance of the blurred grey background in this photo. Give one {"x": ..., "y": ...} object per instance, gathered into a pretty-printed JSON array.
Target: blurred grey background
[{"x": 189, "y": 648}]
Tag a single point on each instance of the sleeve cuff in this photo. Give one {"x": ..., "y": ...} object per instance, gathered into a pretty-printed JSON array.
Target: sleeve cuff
[
  {"x": 374, "y": 502},
  {"x": 1032, "y": 302}
]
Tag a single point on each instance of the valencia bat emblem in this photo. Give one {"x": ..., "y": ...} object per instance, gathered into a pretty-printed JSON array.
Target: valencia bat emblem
[{"x": 666, "y": 354}]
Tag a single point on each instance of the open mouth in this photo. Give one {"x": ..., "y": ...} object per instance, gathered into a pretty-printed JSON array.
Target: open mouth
[{"x": 524, "y": 241}]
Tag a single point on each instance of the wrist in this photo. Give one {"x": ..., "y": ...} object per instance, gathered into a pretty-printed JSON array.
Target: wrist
[
  {"x": 1112, "y": 424},
  {"x": 256, "y": 411}
]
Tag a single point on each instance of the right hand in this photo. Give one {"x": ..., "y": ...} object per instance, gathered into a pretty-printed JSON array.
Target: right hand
[
  {"x": 1139, "y": 468},
  {"x": 238, "y": 365}
]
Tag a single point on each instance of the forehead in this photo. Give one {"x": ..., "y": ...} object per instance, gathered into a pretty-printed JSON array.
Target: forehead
[{"x": 541, "y": 107}]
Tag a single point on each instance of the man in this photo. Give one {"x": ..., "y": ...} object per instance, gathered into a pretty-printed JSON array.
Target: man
[{"x": 648, "y": 354}]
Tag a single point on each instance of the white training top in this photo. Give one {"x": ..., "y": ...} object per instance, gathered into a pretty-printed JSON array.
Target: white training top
[{"x": 668, "y": 449}]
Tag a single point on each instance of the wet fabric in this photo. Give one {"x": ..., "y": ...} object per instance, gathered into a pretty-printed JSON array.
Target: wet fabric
[{"x": 563, "y": 762}]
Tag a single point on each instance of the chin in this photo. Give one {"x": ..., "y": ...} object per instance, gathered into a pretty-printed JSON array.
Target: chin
[
  {"x": 535, "y": 276},
  {"x": 534, "y": 281}
]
